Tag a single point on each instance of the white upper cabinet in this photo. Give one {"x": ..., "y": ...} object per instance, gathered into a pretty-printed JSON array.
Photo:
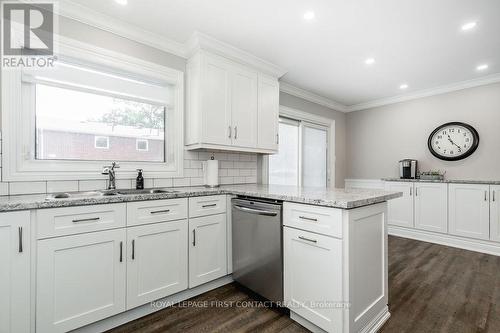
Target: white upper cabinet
[
  {"x": 469, "y": 210},
  {"x": 495, "y": 213},
  {"x": 230, "y": 105},
  {"x": 15, "y": 272},
  {"x": 268, "y": 114},
  {"x": 400, "y": 210},
  {"x": 431, "y": 207}
]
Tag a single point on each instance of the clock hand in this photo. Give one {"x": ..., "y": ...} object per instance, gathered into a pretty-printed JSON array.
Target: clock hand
[{"x": 453, "y": 143}]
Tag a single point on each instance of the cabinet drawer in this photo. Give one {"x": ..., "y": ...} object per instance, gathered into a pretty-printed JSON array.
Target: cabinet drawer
[
  {"x": 201, "y": 206},
  {"x": 74, "y": 220},
  {"x": 321, "y": 220},
  {"x": 144, "y": 212}
]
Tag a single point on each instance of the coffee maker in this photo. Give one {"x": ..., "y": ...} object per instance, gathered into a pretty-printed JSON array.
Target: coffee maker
[{"x": 408, "y": 169}]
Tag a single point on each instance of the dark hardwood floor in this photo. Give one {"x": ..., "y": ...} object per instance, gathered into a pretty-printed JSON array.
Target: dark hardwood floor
[{"x": 432, "y": 288}]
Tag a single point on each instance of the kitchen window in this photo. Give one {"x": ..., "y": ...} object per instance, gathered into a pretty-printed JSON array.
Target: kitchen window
[
  {"x": 95, "y": 106},
  {"x": 304, "y": 157}
]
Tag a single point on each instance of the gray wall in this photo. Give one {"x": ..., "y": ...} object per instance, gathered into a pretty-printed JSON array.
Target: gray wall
[
  {"x": 340, "y": 130},
  {"x": 378, "y": 138}
]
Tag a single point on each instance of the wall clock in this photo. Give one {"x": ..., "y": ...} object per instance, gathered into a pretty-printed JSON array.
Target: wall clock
[{"x": 453, "y": 141}]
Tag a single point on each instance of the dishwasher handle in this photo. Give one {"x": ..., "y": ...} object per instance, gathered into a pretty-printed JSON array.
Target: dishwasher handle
[{"x": 255, "y": 211}]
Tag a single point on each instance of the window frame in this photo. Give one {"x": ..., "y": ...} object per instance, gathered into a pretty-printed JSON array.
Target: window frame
[
  {"x": 310, "y": 120},
  {"x": 18, "y": 120},
  {"x": 97, "y": 137}
]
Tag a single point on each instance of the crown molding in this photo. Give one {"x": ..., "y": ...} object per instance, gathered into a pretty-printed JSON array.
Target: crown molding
[
  {"x": 200, "y": 41},
  {"x": 93, "y": 18},
  {"x": 311, "y": 97},
  {"x": 493, "y": 78}
]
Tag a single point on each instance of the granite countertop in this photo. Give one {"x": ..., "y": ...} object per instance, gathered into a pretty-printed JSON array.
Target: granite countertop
[
  {"x": 336, "y": 198},
  {"x": 451, "y": 181}
]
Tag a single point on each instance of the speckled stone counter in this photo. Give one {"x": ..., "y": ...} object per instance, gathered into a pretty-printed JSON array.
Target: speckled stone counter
[
  {"x": 336, "y": 198},
  {"x": 451, "y": 181}
]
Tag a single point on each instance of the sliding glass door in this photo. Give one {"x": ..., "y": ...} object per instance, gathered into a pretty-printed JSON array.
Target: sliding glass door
[{"x": 303, "y": 155}]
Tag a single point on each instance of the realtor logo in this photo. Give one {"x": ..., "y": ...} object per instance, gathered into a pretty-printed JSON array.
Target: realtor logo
[{"x": 27, "y": 34}]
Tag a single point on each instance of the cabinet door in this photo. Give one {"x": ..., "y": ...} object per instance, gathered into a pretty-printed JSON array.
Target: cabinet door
[
  {"x": 244, "y": 107},
  {"x": 207, "y": 249},
  {"x": 313, "y": 273},
  {"x": 15, "y": 272},
  {"x": 400, "y": 210},
  {"x": 431, "y": 207},
  {"x": 216, "y": 101},
  {"x": 80, "y": 279},
  {"x": 469, "y": 210},
  {"x": 157, "y": 261},
  {"x": 495, "y": 213},
  {"x": 268, "y": 114}
]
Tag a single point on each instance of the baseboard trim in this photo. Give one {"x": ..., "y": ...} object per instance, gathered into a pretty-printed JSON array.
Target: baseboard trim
[
  {"x": 475, "y": 245},
  {"x": 377, "y": 322},
  {"x": 146, "y": 309},
  {"x": 306, "y": 323}
]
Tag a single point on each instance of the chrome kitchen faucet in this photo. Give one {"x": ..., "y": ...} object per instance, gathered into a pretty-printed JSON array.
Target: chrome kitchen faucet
[{"x": 110, "y": 170}]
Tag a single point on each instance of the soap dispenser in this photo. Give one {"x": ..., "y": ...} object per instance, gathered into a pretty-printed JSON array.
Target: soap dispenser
[{"x": 139, "y": 182}]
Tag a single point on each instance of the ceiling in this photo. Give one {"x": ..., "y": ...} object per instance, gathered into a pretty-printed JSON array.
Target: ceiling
[{"x": 418, "y": 43}]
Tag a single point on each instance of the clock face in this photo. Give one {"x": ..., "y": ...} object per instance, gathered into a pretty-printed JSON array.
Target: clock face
[{"x": 453, "y": 141}]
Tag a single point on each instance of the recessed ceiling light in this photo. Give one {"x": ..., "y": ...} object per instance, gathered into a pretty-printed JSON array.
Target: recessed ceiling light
[
  {"x": 309, "y": 15},
  {"x": 469, "y": 26},
  {"x": 370, "y": 61},
  {"x": 403, "y": 86},
  {"x": 121, "y": 2},
  {"x": 482, "y": 67}
]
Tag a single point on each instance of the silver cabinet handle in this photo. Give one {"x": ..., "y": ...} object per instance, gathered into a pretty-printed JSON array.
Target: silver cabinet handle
[
  {"x": 236, "y": 132},
  {"x": 87, "y": 220},
  {"x": 411, "y": 191},
  {"x": 308, "y": 218},
  {"x": 308, "y": 239},
  {"x": 485, "y": 195},
  {"x": 121, "y": 251},
  {"x": 416, "y": 191},
  {"x": 230, "y": 132},
  {"x": 133, "y": 249},
  {"x": 493, "y": 196},
  {"x": 20, "y": 239},
  {"x": 277, "y": 139},
  {"x": 194, "y": 237},
  {"x": 159, "y": 211},
  {"x": 208, "y": 206}
]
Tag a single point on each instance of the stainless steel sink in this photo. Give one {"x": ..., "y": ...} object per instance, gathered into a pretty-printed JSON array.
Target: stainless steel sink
[
  {"x": 91, "y": 194},
  {"x": 144, "y": 191}
]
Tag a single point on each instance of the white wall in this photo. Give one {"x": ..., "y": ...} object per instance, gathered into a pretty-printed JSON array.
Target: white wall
[{"x": 378, "y": 138}]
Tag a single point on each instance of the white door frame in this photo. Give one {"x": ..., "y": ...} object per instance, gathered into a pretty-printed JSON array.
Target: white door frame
[{"x": 313, "y": 119}]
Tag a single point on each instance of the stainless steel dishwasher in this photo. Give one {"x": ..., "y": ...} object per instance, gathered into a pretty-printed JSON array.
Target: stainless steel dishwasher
[{"x": 257, "y": 246}]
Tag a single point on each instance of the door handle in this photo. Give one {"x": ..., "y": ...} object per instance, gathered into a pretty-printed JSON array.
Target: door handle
[
  {"x": 20, "y": 239},
  {"x": 194, "y": 237},
  {"x": 416, "y": 191},
  {"x": 485, "y": 195},
  {"x": 277, "y": 139},
  {"x": 133, "y": 249},
  {"x": 87, "y": 220},
  {"x": 493, "y": 196},
  {"x": 255, "y": 211},
  {"x": 230, "y": 132},
  {"x": 308, "y": 218},
  {"x": 121, "y": 251},
  {"x": 411, "y": 191},
  {"x": 208, "y": 206},
  {"x": 308, "y": 239},
  {"x": 235, "y": 132},
  {"x": 159, "y": 211}
]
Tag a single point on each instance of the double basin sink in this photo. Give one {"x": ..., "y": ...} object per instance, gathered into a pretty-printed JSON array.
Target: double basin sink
[{"x": 91, "y": 194}]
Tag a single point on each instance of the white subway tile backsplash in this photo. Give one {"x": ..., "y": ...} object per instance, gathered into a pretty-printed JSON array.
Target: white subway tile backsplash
[
  {"x": 91, "y": 185},
  {"x": 181, "y": 182},
  {"x": 16, "y": 188},
  {"x": 234, "y": 168},
  {"x": 62, "y": 186},
  {"x": 163, "y": 182}
]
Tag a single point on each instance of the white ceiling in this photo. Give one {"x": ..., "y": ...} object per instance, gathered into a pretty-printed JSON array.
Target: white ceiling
[{"x": 418, "y": 42}]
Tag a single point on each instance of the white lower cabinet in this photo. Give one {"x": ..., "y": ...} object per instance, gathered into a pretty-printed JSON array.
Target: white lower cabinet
[
  {"x": 157, "y": 261},
  {"x": 80, "y": 279},
  {"x": 15, "y": 272},
  {"x": 495, "y": 213},
  {"x": 207, "y": 249},
  {"x": 431, "y": 207},
  {"x": 400, "y": 209},
  {"x": 313, "y": 274},
  {"x": 469, "y": 210}
]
